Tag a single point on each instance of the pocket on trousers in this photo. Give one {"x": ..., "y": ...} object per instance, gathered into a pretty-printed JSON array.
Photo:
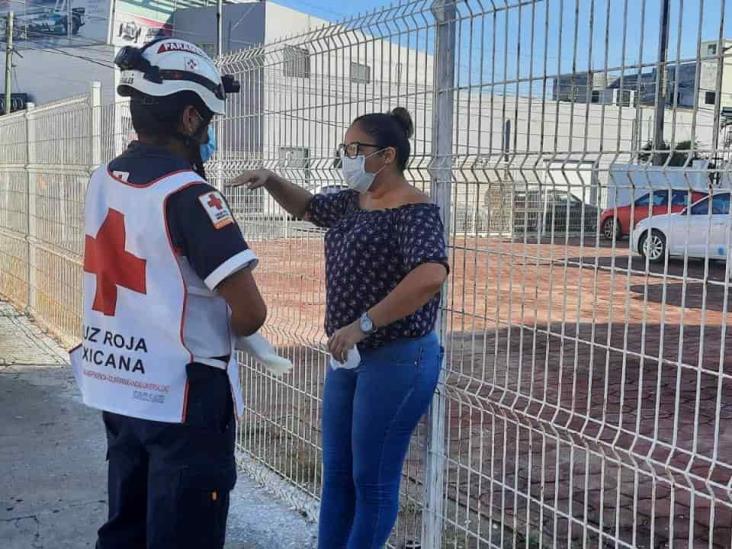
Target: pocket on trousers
[
  {"x": 203, "y": 506},
  {"x": 412, "y": 359},
  {"x": 210, "y": 405}
]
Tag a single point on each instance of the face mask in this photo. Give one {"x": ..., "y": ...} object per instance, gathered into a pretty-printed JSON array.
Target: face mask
[
  {"x": 355, "y": 174},
  {"x": 209, "y": 148}
]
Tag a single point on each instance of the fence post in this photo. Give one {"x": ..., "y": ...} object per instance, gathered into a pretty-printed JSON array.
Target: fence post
[
  {"x": 445, "y": 13},
  {"x": 30, "y": 201},
  {"x": 95, "y": 131}
]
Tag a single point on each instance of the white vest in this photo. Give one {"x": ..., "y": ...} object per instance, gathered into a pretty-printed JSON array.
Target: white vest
[{"x": 133, "y": 357}]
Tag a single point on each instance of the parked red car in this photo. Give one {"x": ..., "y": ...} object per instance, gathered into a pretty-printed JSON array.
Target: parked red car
[{"x": 617, "y": 222}]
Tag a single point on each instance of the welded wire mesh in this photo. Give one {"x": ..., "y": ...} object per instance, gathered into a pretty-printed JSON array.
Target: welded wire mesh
[
  {"x": 585, "y": 388},
  {"x": 583, "y": 172}
]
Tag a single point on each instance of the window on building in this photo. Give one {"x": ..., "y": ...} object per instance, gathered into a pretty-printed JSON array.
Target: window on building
[
  {"x": 710, "y": 98},
  {"x": 295, "y": 158},
  {"x": 296, "y": 62},
  {"x": 625, "y": 98},
  {"x": 595, "y": 96},
  {"x": 712, "y": 49},
  {"x": 360, "y": 73}
]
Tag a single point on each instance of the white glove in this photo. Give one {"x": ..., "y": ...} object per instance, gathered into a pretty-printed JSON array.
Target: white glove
[
  {"x": 353, "y": 360},
  {"x": 262, "y": 350}
]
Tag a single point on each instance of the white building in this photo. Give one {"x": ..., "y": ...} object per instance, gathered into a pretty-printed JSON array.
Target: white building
[
  {"x": 56, "y": 60},
  {"x": 689, "y": 82}
]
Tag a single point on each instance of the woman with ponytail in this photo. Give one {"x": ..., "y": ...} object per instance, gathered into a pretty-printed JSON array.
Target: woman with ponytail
[{"x": 385, "y": 265}]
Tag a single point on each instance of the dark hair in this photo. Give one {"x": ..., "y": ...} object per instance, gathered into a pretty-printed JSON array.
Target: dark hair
[
  {"x": 390, "y": 130},
  {"x": 161, "y": 116}
]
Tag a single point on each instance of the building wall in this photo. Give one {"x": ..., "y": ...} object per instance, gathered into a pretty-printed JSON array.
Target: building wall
[
  {"x": 243, "y": 26},
  {"x": 51, "y": 75},
  {"x": 282, "y": 21}
]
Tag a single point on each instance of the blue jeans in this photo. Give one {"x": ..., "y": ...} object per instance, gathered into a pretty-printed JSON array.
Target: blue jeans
[{"x": 369, "y": 414}]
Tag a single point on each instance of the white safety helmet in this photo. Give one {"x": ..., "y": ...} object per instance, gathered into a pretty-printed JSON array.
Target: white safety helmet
[{"x": 170, "y": 65}]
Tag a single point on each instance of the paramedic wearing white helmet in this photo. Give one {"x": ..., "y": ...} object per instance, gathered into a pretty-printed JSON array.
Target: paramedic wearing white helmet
[{"x": 167, "y": 288}]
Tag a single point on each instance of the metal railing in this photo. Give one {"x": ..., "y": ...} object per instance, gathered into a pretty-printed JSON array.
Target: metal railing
[{"x": 586, "y": 391}]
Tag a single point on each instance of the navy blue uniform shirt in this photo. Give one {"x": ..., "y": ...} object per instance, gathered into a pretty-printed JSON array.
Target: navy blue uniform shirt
[{"x": 192, "y": 231}]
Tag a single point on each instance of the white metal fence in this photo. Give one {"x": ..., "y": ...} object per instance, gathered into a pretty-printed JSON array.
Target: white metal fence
[{"x": 587, "y": 395}]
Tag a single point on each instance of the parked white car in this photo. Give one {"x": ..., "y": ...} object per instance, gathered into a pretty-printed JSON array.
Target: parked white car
[{"x": 696, "y": 232}]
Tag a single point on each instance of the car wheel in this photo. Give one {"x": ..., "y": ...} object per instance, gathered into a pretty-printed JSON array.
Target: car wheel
[
  {"x": 611, "y": 229},
  {"x": 653, "y": 246}
]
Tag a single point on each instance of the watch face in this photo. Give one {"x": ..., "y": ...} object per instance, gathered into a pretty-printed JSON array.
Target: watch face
[{"x": 367, "y": 325}]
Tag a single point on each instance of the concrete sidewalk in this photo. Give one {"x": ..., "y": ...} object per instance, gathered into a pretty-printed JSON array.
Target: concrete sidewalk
[{"x": 53, "y": 484}]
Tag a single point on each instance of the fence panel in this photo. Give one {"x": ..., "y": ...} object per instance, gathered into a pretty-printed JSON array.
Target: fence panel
[
  {"x": 13, "y": 209},
  {"x": 298, "y": 97},
  {"x": 570, "y": 362}
]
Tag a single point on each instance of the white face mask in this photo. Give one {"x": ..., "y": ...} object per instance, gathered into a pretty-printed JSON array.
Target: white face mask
[{"x": 355, "y": 174}]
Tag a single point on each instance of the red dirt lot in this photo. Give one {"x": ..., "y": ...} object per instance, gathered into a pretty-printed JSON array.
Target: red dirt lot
[{"x": 588, "y": 396}]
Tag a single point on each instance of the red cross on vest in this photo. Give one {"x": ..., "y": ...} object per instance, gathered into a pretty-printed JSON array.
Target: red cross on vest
[
  {"x": 214, "y": 201},
  {"x": 105, "y": 257}
]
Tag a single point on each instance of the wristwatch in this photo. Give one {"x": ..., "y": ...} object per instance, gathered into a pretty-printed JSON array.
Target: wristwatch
[{"x": 366, "y": 324}]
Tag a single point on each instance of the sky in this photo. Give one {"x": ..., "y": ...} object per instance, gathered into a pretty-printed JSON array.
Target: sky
[
  {"x": 567, "y": 34},
  {"x": 330, "y": 9}
]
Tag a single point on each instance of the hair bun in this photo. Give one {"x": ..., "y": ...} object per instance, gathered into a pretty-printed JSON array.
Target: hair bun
[{"x": 404, "y": 119}]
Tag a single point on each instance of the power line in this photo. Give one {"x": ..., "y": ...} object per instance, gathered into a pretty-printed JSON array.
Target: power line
[
  {"x": 49, "y": 49},
  {"x": 322, "y": 9}
]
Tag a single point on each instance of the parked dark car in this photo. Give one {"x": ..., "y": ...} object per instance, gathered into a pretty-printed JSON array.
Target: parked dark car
[
  {"x": 554, "y": 210},
  {"x": 56, "y": 22}
]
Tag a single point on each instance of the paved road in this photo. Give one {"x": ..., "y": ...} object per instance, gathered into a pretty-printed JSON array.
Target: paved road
[{"x": 53, "y": 491}]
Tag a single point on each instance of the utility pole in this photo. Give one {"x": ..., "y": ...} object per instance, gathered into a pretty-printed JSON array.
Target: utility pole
[
  {"x": 661, "y": 68},
  {"x": 219, "y": 28},
  {"x": 721, "y": 51},
  {"x": 8, "y": 59}
]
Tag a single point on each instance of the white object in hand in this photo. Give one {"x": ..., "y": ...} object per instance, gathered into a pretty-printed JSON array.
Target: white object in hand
[
  {"x": 353, "y": 359},
  {"x": 263, "y": 351}
]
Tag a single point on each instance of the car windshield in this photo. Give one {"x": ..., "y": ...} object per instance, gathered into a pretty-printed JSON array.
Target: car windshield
[
  {"x": 701, "y": 207},
  {"x": 660, "y": 198},
  {"x": 563, "y": 196},
  {"x": 720, "y": 205},
  {"x": 680, "y": 198}
]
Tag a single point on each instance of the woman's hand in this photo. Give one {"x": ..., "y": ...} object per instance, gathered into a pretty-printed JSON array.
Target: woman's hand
[
  {"x": 253, "y": 179},
  {"x": 344, "y": 340},
  {"x": 293, "y": 199}
]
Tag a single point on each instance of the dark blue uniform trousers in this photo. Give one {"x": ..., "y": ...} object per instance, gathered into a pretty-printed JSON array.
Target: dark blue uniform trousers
[{"x": 169, "y": 483}]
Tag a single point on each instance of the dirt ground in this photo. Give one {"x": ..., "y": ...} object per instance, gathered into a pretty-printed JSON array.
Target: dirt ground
[{"x": 588, "y": 395}]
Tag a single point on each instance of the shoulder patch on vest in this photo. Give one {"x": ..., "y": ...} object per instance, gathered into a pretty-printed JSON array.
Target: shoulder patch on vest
[{"x": 217, "y": 209}]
